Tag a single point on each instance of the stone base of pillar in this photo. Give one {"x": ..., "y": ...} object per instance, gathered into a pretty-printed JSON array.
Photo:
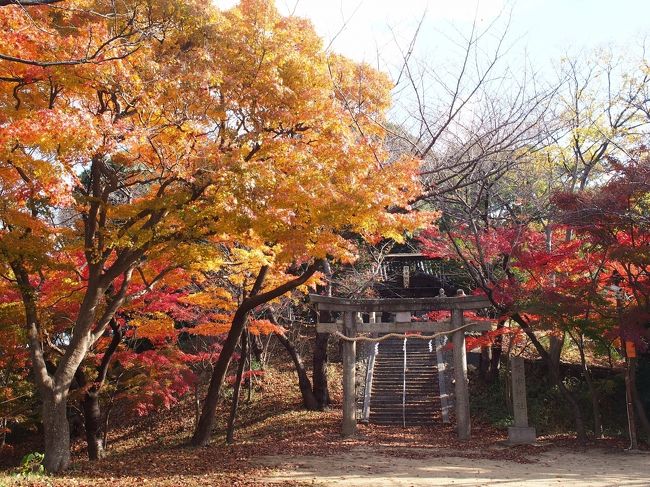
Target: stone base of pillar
[{"x": 521, "y": 435}]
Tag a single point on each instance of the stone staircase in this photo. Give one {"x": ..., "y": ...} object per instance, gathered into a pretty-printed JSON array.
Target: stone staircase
[{"x": 422, "y": 399}]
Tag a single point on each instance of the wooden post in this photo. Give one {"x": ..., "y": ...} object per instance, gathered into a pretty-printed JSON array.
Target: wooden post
[
  {"x": 349, "y": 376},
  {"x": 460, "y": 376}
]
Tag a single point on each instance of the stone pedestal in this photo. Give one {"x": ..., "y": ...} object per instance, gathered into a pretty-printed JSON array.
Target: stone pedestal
[
  {"x": 521, "y": 433},
  {"x": 518, "y": 435}
]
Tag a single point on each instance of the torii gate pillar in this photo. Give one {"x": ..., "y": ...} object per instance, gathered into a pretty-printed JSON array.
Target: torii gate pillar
[
  {"x": 463, "y": 422},
  {"x": 349, "y": 376}
]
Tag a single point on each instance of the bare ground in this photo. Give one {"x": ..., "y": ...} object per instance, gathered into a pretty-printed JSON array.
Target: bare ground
[
  {"x": 278, "y": 444},
  {"x": 365, "y": 466}
]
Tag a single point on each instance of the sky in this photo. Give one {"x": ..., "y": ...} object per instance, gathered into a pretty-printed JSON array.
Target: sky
[{"x": 543, "y": 30}]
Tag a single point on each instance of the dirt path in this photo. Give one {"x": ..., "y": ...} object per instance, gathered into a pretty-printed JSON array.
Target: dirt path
[{"x": 382, "y": 466}]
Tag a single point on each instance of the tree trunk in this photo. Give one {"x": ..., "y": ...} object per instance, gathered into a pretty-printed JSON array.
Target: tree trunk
[
  {"x": 640, "y": 410},
  {"x": 90, "y": 399},
  {"x": 237, "y": 386},
  {"x": 308, "y": 397},
  {"x": 495, "y": 359},
  {"x": 257, "y": 349},
  {"x": 581, "y": 432},
  {"x": 203, "y": 430},
  {"x": 556, "y": 344},
  {"x": 484, "y": 363},
  {"x": 57, "y": 432},
  {"x": 586, "y": 372},
  {"x": 595, "y": 399},
  {"x": 197, "y": 404},
  {"x": 321, "y": 390},
  {"x": 92, "y": 423}
]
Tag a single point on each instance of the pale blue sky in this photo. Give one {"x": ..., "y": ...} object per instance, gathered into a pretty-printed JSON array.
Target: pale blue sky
[{"x": 544, "y": 28}]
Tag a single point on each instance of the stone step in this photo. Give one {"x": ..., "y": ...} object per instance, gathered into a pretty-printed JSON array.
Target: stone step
[
  {"x": 410, "y": 364},
  {"x": 414, "y": 400},
  {"x": 387, "y": 413},
  {"x": 387, "y": 360},
  {"x": 429, "y": 415},
  {"x": 410, "y": 404},
  {"x": 424, "y": 387},
  {"x": 411, "y": 368},
  {"x": 420, "y": 379},
  {"x": 409, "y": 378},
  {"x": 409, "y": 352},
  {"x": 419, "y": 383},
  {"x": 417, "y": 369},
  {"x": 398, "y": 417},
  {"x": 393, "y": 422}
]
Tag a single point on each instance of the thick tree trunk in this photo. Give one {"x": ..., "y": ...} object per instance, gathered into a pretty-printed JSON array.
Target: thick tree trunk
[
  {"x": 203, "y": 430},
  {"x": 57, "y": 432},
  {"x": 308, "y": 398},
  {"x": 92, "y": 424},
  {"x": 235, "y": 395},
  {"x": 90, "y": 399},
  {"x": 321, "y": 390}
]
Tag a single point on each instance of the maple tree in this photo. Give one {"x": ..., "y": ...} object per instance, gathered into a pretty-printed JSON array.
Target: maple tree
[
  {"x": 556, "y": 289},
  {"x": 499, "y": 217},
  {"x": 217, "y": 130},
  {"x": 318, "y": 169},
  {"x": 613, "y": 222}
]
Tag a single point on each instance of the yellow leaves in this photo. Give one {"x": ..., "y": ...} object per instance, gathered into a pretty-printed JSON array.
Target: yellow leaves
[
  {"x": 236, "y": 143},
  {"x": 211, "y": 298},
  {"x": 216, "y": 327},
  {"x": 211, "y": 328},
  {"x": 318, "y": 279},
  {"x": 154, "y": 326},
  {"x": 264, "y": 327},
  {"x": 363, "y": 90}
]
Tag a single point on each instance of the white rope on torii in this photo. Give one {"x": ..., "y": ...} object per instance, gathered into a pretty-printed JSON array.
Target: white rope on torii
[{"x": 398, "y": 335}]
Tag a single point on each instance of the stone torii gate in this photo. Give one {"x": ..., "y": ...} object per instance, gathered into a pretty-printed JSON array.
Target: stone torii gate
[{"x": 402, "y": 308}]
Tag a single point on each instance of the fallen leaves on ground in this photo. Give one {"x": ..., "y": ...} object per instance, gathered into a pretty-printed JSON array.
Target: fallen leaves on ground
[{"x": 154, "y": 451}]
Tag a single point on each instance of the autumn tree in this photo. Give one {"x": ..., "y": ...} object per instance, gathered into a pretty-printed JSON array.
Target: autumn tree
[
  {"x": 613, "y": 221},
  {"x": 213, "y": 131},
  {"x": 318, "y": 169},
  {"x": 103, "y": 168}
]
